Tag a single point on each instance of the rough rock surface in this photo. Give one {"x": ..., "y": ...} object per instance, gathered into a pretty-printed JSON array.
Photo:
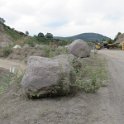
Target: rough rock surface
[
  {"x": 47, "y": 76},
  {"x": 79, "y": 48},
  {"x": 120, "y": 38}
]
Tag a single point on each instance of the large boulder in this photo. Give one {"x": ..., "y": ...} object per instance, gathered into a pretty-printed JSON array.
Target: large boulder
[
  {"x": 48, "y": 76},
  {"x": 79, "y": 48}
]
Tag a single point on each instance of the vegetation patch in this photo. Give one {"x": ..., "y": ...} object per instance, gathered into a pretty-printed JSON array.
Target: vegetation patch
[
  {"x": 91, "y": 73},
  {"x": 15, "y": 35},
  {"x": 7, "y": 79}
]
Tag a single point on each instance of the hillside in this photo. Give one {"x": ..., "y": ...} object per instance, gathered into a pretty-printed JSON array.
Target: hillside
[
  {"x": 8, "y": 35},
  {"x": 86, "y": 37}
]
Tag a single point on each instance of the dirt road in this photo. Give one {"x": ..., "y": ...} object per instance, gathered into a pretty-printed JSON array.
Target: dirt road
[
  {"x": 7, "y": 64},
  {"x": 108, "y": 105}
]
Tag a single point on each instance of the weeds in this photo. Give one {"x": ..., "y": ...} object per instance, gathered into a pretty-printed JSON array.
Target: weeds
[
  {"x": 52, "y": 51},
  {"x": 91, "y": 75},
  {"x": 8, "y": 79},
  {"x": 7, "y": 51},
  {"x": 4, "y": 81}
]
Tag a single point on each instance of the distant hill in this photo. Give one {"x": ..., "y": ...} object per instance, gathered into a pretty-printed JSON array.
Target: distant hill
[{"x": 86, "y": 37}]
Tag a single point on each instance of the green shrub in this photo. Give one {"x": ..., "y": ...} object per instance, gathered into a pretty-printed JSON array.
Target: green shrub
[
  {"x": 7, "y": 51},
  {"x": 51, "y": 51},
  {"x": 91, "y": 75},
  {"x": 4, "y": 82},
  {"x": 8, "y": 79},
  {"x": 14, "y": 34},
  {"x": 31, "y": 42}
]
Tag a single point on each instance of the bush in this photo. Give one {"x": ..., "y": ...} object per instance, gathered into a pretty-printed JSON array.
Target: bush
[
  {"x": 119, "y": 46},
  {"x": 91, "y": 75},
  {"x": 8, "y": 79},
  {"x": 7, "y": 51},
  {"x": 31, "y": 41},
  {"x": 4, "y": 80},
  {"x": 52, "y": 50}
]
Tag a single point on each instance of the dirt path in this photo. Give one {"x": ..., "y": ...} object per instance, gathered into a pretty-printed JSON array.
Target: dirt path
[
  {"x": 108, "y": 106},
  {"x": 7, "y": 64}
]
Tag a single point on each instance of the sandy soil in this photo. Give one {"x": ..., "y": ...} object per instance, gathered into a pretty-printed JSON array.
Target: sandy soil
[
  {"x": 7, "y": 64},
  {"x": 104, "y": 107}
]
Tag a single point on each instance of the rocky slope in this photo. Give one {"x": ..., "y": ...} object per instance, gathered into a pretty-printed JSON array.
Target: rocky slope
[
  {"x": 120, "y": 38},
  {"x": 5, "y": 39},
  {"x": 9, "y": 35}
]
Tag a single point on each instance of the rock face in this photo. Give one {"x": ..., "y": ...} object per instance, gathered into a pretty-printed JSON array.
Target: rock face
[
  {"x": 120, "y": 38},
  {"x": 79, "y": 48},
  {"x": 46, "y": 76}
]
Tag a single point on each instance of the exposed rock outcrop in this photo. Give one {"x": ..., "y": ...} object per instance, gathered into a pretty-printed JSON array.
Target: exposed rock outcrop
[{"x": 120, "y": 38}]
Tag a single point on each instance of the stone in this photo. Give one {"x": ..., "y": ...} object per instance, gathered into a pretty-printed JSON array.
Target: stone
[
  {"x": 17, "y": 47},
  {"x": 79, "y": 48},
  {"x": 48, "y": 76}
]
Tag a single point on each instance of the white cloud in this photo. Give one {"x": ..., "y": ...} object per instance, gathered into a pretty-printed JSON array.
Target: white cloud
[{"x": 64, "y": 17}]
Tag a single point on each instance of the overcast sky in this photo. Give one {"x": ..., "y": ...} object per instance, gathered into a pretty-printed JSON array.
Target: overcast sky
[{"x": 64, "y": 17}]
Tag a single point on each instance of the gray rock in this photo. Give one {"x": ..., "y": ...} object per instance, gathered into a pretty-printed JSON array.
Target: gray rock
[
  {"x": 120, "y": 38},
  {"x": 45, "y": 76},
  {"x": 17, "y": 47},
  {"x": 79, "y": 48}
]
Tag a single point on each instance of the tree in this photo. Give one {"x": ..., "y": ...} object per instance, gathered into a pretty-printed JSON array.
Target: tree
[
  {"x": 2, "y": 21},
  {"x": 27, "y": 33},
  {"x": 104, "y": 39},
  {"x": 110, "y": 41},
  {"x": 40, "y": 35},
  {"x": 49, "y": 35}
]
